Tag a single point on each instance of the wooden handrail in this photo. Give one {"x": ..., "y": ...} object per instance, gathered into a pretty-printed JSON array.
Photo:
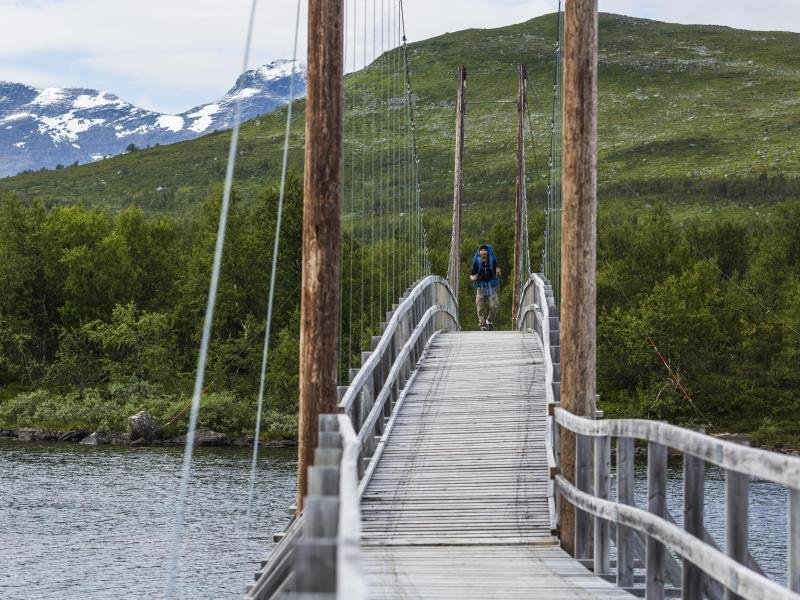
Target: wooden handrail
[
  {"x": 387, "y": 337},
  {"x": 763, "y": 464},
  {"x": 731, "y": 574},
  {"x": 350, "y": 582},
  {"x": 335, "y": 535}
]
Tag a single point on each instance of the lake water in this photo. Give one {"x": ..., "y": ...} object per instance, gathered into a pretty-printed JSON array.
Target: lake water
[
  {"x": 82, "y": 522},
  {"x": 767, "y": 513},
  {"x": 97, "y": 522}
]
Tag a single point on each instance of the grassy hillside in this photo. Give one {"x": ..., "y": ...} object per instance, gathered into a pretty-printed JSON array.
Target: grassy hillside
[
  {"x": 698, "y": 253},
  {"x": 678, "y": 103}
]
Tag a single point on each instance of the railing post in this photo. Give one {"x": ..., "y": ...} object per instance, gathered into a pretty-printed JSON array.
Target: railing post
[
  {"x": 693, "y": 496},
  {"x": 583, "y": 477},
  {"x": 737, "y": 499},
  {"x": 793, "y": 567},
  {"x": 657, "y": 505},
  {"x": 602, "y": 466},
  {"x": 315, "y": 555},
  {"x": 625, "y": 475}
]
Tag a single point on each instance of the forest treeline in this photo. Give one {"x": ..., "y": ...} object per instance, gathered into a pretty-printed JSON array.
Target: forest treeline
[{"x": 101, "y": 311}]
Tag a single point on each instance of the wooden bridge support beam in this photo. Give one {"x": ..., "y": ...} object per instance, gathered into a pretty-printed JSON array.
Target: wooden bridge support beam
[
  {"x": 458, "y": 181},
  {"x": 519, "y": 276},
  {"x": 579, "y": 226},
  {"x": 319, "y": 303}
]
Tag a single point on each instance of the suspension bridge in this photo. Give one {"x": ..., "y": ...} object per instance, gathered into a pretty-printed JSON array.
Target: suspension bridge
[{"x": 421, "y": 477}]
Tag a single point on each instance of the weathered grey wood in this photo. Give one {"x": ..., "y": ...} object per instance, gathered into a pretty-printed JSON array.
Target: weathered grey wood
[
  {"x": 315, "y": 566},
  {"x": 763, "y": 464},
  {"x": 737, "y": 486},
  {"x": 793, "y": 566},
  {"x": 693, "y": 495},
  {"x": 323, "y": 481},
  {"x": 657, "y": 506},
  {"x": 602, "y": 467},
  {"x": 322, "y": 516},
  {"x": 458, "y": 503},
  {"x": 326, "y": 457},
  {"x": 625, "y": 479},
  {"x": 728, "y": 572},
  {"x": 583, "y": 477}
]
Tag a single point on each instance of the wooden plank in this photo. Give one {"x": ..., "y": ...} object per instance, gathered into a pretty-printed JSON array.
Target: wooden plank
[
  {"x": 602, "y": 466},
  {"x": 693, "y": 495},
  {"x": 459, "y": 499},
  {"x": 625, "y": 480},
  {"x": 793, "y": 567},
  {"x": 657, "y": 506},
  {"x": 737, "y": 497}
]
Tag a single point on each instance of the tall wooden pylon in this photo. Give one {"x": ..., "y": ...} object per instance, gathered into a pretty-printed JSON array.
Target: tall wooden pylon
[
  {"x": 519, "y": 215},
  {"x": 578, "y": 242},
  {"x": 458, "y": 182},
  {"x": 319, "y": 303}
]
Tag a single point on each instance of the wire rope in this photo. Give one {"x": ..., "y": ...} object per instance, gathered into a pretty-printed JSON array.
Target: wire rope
[
  {"x": 206, "y": 332},
  {"x": 274, "y": 271}
]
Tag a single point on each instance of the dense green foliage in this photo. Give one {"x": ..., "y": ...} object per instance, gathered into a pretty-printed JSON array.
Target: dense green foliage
[
  {"x": 699, "y": 262},
  {"x": 101, "y": 313}
]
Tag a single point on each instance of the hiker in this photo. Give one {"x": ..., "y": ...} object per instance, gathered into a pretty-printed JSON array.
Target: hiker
[{"x": 485, "y": 276}]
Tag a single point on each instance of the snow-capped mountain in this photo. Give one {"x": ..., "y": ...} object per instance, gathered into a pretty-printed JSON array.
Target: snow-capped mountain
[{"x": 59, "y": 126}]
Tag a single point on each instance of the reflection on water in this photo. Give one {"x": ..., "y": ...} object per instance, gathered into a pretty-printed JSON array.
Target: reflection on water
[
  {"x": 91, "y": 523},
  {"x": 94, "y": 523},
  {"x": 767, "y": 515}
]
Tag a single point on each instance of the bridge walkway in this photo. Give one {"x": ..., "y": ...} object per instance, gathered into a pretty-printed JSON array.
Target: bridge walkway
[{"x": 457, "y": 506}]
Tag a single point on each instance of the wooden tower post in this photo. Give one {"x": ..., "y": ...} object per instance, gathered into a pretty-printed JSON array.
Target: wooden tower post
[
  {"x": 458, "y": 181},
  {"x": 579, "y": 227},
  {"x": 519, "y": 251},
  {"x": 319, "y": 308}
]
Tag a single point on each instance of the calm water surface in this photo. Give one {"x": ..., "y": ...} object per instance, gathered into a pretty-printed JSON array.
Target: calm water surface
[
  {"x": 96, "y": 522},
  {"x": 767, "y": 522}
]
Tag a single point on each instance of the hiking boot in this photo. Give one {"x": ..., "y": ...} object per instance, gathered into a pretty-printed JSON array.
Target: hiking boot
[
  {"x": 490, "y": 326},
  {"x": 483, "y": 327}
]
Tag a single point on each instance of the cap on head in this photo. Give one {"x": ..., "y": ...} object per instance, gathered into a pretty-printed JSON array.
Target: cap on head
[{"x": 483, "y": 247}]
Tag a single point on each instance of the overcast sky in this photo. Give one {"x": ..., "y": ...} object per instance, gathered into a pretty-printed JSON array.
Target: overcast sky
[{"x": 170, "y": 55}]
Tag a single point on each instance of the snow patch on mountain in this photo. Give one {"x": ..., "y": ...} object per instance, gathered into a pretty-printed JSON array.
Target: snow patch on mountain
[
  {"x": 66, "y": 127},
  {"x": 101, "y": 99},
  {"x": 49, "y": 96},
  {"x": 170, "y": 122},
  {"x": 47, "y": 127}
]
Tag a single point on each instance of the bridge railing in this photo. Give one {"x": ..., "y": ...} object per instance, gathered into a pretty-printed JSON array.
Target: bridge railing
[
  {"x": 650, "y": 537},
  {"x": 537, "y": 312},
  {"x": 652, "y": 534},
  {"x": 374, "y": 389},
  {"x": 319, "y": 552}
]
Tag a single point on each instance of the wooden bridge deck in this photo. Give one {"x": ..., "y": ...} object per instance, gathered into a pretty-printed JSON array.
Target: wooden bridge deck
[{"x": 457, "y": 506}]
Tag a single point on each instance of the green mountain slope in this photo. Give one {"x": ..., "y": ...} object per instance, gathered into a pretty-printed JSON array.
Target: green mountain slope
[{"x": 677, "y": 102}]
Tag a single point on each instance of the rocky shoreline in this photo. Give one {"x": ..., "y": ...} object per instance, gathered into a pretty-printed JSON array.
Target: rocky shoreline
[{"x": 203, "y": 437}]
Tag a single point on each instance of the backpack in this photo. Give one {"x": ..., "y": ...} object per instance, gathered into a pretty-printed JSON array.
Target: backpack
[{"x": 476, "y": 262}]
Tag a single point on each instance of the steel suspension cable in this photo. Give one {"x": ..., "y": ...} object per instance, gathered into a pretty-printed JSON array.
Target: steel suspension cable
[
  {"x": 206, "y": 332},
  {"x": 352, "y": 206},
  {"x": 273, "y": 273}
]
